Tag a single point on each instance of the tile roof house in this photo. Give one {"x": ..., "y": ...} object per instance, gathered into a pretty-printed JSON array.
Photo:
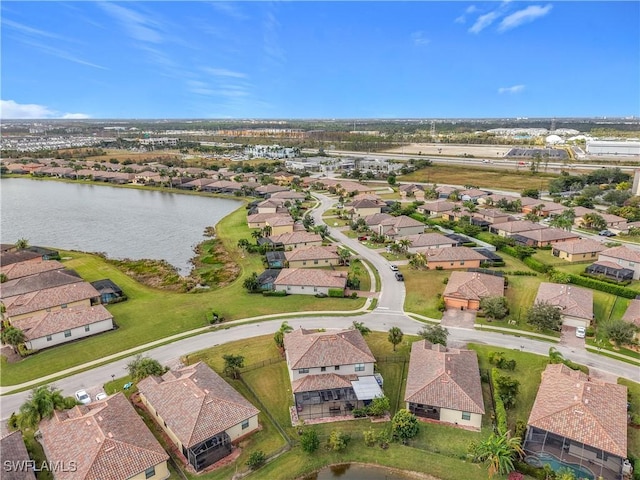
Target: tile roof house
[
  {"x": 575, "y": 303},
  {"x": 632, "y": 315},
  {"x": 265, "y": 190},
  {"x": 24, "y": 269},
  {"x": 436, "y": 209},
  {"x": 309, "y": 281},
  {"x": 70, "y": 295},
  {"x": 200, "y": 412},
  {"x": 331, "y": 372},
  {"x": 272, "y": 205},
  {"x": 623, "y": 256},
  {"x": 312, "y": 257},
  {"x": 15, "y": 458},
  {"x": 363, "y": 208},
  {"x": 580, "y": 420},
  {"x": 543, "y": 237},
  {"x": 295, "y": 239},
  {"x": 578, "y": 250},
  {"x": 7, "y": 258},
  {"x": 400, "y": 226},
  {"x": 259, "y": 220},
  {"x": 464, "y": 290},
  {"x": 376, "y": 219},
  {"x": 452, "y": 258},
  {"x": 493, "y": 215},
  {"x": 508, "y": 229},
  {"x": 444, "y": 384},
  {"x": 47, "y": 329},
  {"x": 104, "y": 440},
  {"x": 428, "y": 240},
  {"x": 40, "y": 281}
]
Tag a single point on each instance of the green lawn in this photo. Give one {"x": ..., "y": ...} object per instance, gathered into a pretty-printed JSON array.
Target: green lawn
[{"x": 633, "y": 434}]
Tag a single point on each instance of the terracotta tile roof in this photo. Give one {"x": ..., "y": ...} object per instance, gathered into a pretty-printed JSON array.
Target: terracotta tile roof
[
  {"x": 441, "y": 206},
  {"x": 40, "y": 281},
  {"x": 107, "y": 440},
  {"x": 47, "y": 323},
  {"x": 196, "y": 403},
  {"x": 288, "y": 195},
  {"x": 311, "y": 277},
  {"x": 14, "y": 450},
  {"x": 528, "y": 201},
  {"x": 473, "y": 192},
  {"x": 367, "y": 196},
  {"x": 295, "y": 237},
  {"x": 632, "y": 314},
  {"x": 492, "y": 213},
  {"x": 279, "y": 221},
  {"x": 401, "y": 221},
  {"x": 50, "y": 297},
  {"x": 611, "y": 265},
  {"x": 24, "y": 269},
  {"x": 411, "y": 187},
  {"x": 473, "y": 286},
  {"x": 575, "y": 406},
  {"x": 496, "y": 197},
  {"x": 622, "y": 253},
  {"x": 518, "y": 226},
  {"x": 271, "y": 189},
  {"x": 548, "y": 234},
  {"x": 452, "y": 254},
  {"x": 573, "y": 301},
  {"x": 363, "y": 204},
  {"x": 376, "y": 218},
  {"x": 263, "y": 217},
  {"x": 585, "y": 245},
  {"x": 444, "y": 377},
  {"x": 429, "y": 239},
  {"x": 312, "y": 253},
  {"x": 327, "y": 381},
  {"x": 271, "y": 203},
  {"x": 307, "y": 349}
]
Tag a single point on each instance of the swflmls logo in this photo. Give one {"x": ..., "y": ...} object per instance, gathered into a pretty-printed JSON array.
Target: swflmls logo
[{"x": 33, "y": 466}]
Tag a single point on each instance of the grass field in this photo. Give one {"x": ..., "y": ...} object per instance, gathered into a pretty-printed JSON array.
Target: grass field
[
  {"x": 423, "y": 288},
  {"x": 633, "y": 433},
  {"x": 482, "y": 177}
]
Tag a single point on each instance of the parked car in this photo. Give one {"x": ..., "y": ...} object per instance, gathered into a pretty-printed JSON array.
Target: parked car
[
  {"x": 399, "y": 277},
  {"x": 581, "y": 332},
  {"x": 83, "y": 397},
  {"x": 606, "y": 233},
  {"x": 394, "y": 268},
  {"x": 101, "y": 396},
  {"x": 362, "y": 239}
]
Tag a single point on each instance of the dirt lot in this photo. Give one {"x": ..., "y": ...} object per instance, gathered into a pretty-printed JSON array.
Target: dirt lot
[{"x": 479, "y": 151}]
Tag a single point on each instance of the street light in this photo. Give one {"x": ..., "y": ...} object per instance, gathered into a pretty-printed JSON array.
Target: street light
[{"x": 113, "y": 377}]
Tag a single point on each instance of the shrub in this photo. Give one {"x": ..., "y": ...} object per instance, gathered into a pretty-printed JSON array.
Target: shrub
[
  {"x": 338, "y": 441},
  {"x": 336, "y": 292},
  {"x": 537, "y": 265},
  {"x": 354, "y": 294},
  {"x": 277, "y": 293},
  {"x": 369, "y": 437},
  {"x": 359, "y": 412},
  {"x": 501, "y": 411},
  {"x": 602, "y": 286},
  {"x": 309, "y": 441},
  {"x": 439, "y": 268},
  {"x": 604, "y": 279},
  {"x": 256, "y": 460},
  {"x": 405, "y": 424},
  {"x": 379, "y": 406},
  {"x": 442, "y": 306}
]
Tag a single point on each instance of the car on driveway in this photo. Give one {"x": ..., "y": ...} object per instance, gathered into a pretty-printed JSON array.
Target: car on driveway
[
  {"x": 101, "y": 396},
  {"x": 394, "y": 268},
  {"x": 83, "y": 397},
  {"x": 581, "y": 332},
  {"x": 399, "y": 277},
  {"x": 362, "y": 239}
]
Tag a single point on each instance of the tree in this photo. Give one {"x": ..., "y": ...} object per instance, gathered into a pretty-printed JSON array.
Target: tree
[
  {"x": 278, "y": 337},
  {"x": 395, "y": 336},
  {"x": 251, "y": 283},
  {"x": 338, "y": 441},
  {"x": 232, "y": 365},
  {"x": 243, "y": 243},
  {"x": 531, "y": 193},
  {"x": 620, "y": 332},
  {"x": 256, "y": 460},
  {"x": 498, "y": 453},
  {"x": 22, "y": 243},
  {"x": 266, "y": 230},
  {"x": 404, "y": 425},
  {"x": 345, "y": 255},
  {"x": 12, "y": 336},
  {"x": 507, "y": 389},
  {"x": 321, "y": 230},
  {"x": 41, "y": 404},
  {"x": 594, "y": 221},
  {"x": 435, "y": 334},
  {"x": 256, "y": 234},
  {"x": 495, "y": 308},
  {"x": 543, "y": 316},
  {"x": 360, "y": 326},
  {"x": 391, "y": 180},
  {"x": 564, "y": 220},
  {"x": 379, "y": 406},
  {"x": 142, "y": 367},
  {"x": 309, "y": 441},
  {"x": 405, "y": 243},
  {"x": 418, "y": 261}
]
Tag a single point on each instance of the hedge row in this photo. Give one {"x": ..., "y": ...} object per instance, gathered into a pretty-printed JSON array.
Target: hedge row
[
  {"x": 604, "y": 279},
  {"x": 501, "y": 411},
  {"x": 602, "y": 286},
  {"x": 536, "y": 265}
]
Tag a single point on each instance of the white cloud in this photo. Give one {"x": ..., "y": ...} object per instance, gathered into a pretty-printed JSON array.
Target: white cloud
[
  {"x": 25, "y": 29},
  {"x": 13, "y": 109},
  {"x": 511, "y": 90},
  {"x": 230, "y": 9},
  {"x": 223, "y": 72},
  {"x": 419, "y": 39},
  {"x": 523, "y": 16},
  {"x": 483, "y": 21},
  {"x": 471, "y": 9},
  {"x": 468, "y": 11},
  {"x": 137, "y": 25}
]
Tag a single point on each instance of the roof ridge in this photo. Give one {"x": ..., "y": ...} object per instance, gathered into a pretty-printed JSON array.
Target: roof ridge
[{"x": 195, "y": 424}]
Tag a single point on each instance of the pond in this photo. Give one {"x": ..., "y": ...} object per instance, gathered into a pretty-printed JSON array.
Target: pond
[
  {"x": 349, "y": 471},
  {"x": 120, "y": 222}
]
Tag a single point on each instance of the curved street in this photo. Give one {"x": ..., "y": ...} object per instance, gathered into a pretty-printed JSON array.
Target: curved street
[{"x": 389, "y": 312}]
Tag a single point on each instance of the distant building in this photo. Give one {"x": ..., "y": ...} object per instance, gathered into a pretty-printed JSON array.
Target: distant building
[{"x": 602, "y": 147}]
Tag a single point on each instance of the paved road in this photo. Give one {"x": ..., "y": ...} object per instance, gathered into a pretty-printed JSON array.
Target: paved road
[{"x": 389, "y": 313}]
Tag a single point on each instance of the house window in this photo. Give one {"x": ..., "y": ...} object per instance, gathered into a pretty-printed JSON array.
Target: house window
[
  {"x": 67, "y": 333},
  {"x": 462, "y": 262},
  {"x": 303, "y": 370},
  {"x": 315, "y": 289},
  {"x": 359, "y": 367},
  {"x": 87, "y": 328},
  {"x": 64, "y": 305},
  {"x": 304, "y": 263},
  {"x": 337, "y": 367},
  {"x": 315, "y": 262},
  {"x": 245, "y": 424},
  {"x": 466, "y": 416},
  {"x": 48, "y": 338},
  {"x": 150, "y": 472},
  {"x": 323, "y": 369}
]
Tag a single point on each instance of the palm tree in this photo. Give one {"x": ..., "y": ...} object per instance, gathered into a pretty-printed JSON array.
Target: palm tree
[
  {"x": 22, "y": 243},
  {"x": 405, "y": 243},
  {"x": 498, "y": 452},
  {"x": 278, "y": 337},
  {"x": 42, "y": 402},
  {"x": 395, "y": 336},
  {"x": 266, "y": 231},
  {"x": 345, "y": 255},
  {"x": 13, "y": 336},
  {"x": 418, "y": 261},
  {"x": 256, "y": 234}
]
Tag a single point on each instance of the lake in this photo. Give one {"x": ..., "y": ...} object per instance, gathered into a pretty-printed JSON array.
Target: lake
[
  {"x": 356, "y": 472},
  {"x": 120, "y": 222}
]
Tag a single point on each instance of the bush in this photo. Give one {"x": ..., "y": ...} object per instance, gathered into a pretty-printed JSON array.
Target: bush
[
  {"x": 501, "y": 411},
  {"x": 442, "y": 306},
  {"x": 354, "y": 294},
  {"x": 336, "y": 292},
  {"x": 405, "y": 424},
  {"x": 523, "y": 273},
  {"x": 369, "y": 437},
  {"x": 277, "y": 293},
  {"x": 602, "y": 286},
  {"x": 536, "y": 265},
  {"x": 439, "y": 268},
  {"x": 604, "y": 279},
  {"x": 359, "y": 412},
  {"x": 379, "y": 406},
  {"x": 309, "y": 441},
  {"x": 338, "y": 441},
  {"x": 256, "y": 460}
]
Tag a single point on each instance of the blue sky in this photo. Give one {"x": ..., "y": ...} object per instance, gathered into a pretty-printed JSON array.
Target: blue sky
[{"x": 82, "y": 59}]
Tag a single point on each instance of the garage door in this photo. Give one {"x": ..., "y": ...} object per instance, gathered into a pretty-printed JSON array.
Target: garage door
[{"x": 574, "y": 322}]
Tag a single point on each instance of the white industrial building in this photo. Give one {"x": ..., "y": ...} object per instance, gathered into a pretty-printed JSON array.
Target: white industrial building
[{"x": 605, "y": 147}]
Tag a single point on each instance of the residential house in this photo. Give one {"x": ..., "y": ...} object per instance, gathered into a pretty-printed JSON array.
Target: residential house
[
  {"x": 472, "y": 195},
  {"x": 446, "y": 192},
  {"x": 575, "y": 303},
  {"x": 544, "y": 236},
  {"x": 312, "y": 257},
  {"x": 613, "y": 222},
  {"x": 331, "y": 372},
  {"x": 259, "y": 220},
  {"x": 309, "y": 281},
  {"x": 400, "y": 226},
  {"x": 579, "y": 420},
  {"x": 508, "y": 229},
  {"x": 197, "y": 184},
  {"x": 436, "y": 209},
  {"x": 452, "y": 258},
  {"x": 104, "y": 440},
  {"x": 272, "y": 205},
  {"x": 464, "y": 290},
  {"x": 411, "y": 190},
  {"x": 40, "y": 281},
  {"x": 363, "y": 208},
  {"x": 495, "y": 198},
  {"x": 16, "y": 256},
  {"x": 290, "y": 195},
  {"x": 578, "y": 250},
  {"x": 266, "y": 190},
  {"x": 493, "y": 215},
  {"x": 428, "y": 240},
  {"x": 610, "y": 270},
  {"x": 283, "y": 178},
  {"x": 15, "y": 458},
  {"x": 443, "y": 384},
  {"x": 373, "y": 221},
  {"x": 543, "y": 208},
  {"x": 80, "y": 294},
  {"x": 47, "y": 329},
  {"x": 293, "y": 240},
  {"x": 200, "y": 412},
  {"x": 280, "y": 225},
  {"x": 624, "y": 257},
  {"x": 632, "y": 315}
]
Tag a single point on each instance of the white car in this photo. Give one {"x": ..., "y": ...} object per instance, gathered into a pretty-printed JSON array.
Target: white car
[
  {"x": 83, "y": 397},
  {"x": 581, "y": 332},
  {"x": 394, "y": 268},
  {"x": 101, "y": 396}
]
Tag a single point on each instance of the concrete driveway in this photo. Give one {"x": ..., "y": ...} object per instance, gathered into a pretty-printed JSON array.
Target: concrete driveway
[
  {"x": 568, "y": 338},
  {"x": 458, "y": 318}
]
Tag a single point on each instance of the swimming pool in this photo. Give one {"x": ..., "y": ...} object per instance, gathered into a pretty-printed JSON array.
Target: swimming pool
[{"x": 541, "y": 459}]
